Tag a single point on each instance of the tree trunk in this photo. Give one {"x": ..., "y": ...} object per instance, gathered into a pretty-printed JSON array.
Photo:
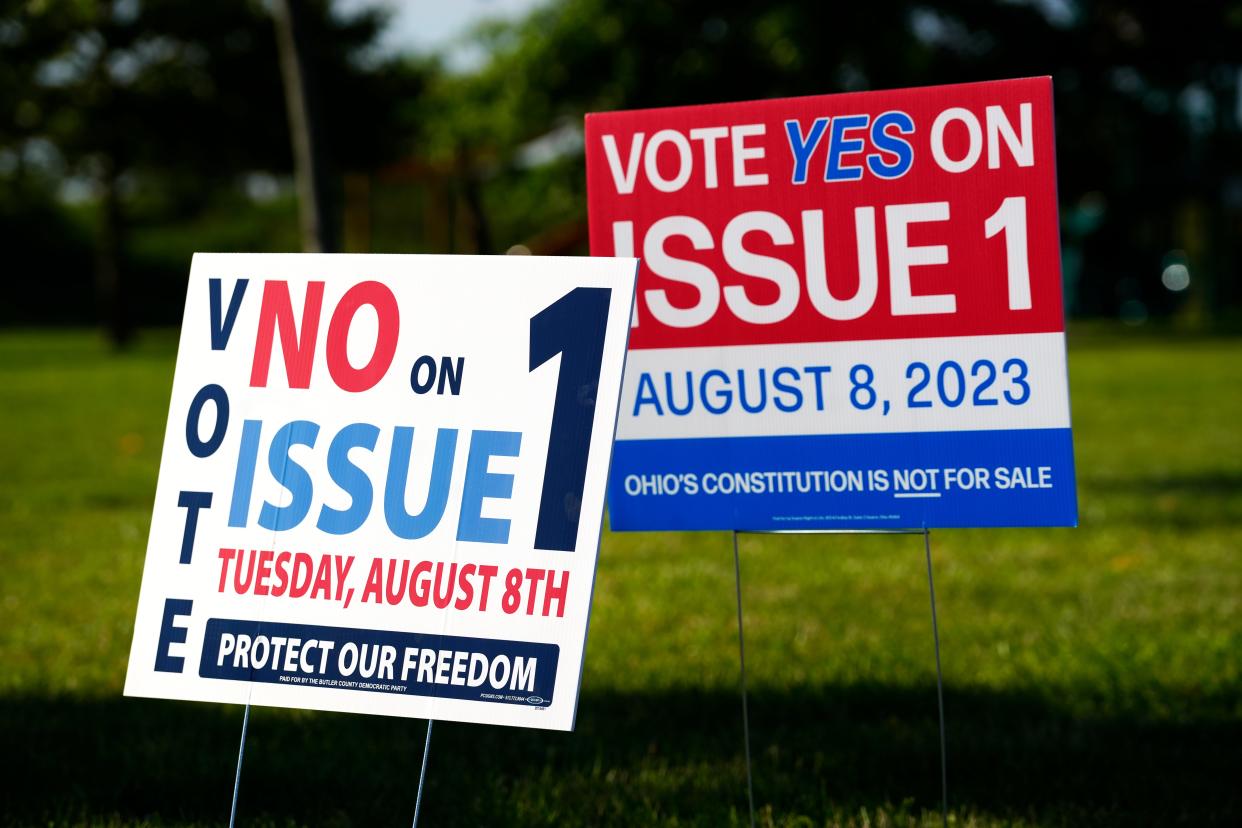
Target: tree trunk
[
  {"x": 473, "y": 199},
  {"x": 315, "y": 203},
  {"x": 111, "y": 286}
]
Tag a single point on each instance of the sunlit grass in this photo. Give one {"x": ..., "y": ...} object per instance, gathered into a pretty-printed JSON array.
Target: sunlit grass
[{"x": 1093, "y": 675}]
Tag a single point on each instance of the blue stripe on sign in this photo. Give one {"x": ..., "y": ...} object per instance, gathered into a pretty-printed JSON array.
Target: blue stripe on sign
[
  {"x": 381, "y": 661},
  {"x": 1019, "y": 477}
]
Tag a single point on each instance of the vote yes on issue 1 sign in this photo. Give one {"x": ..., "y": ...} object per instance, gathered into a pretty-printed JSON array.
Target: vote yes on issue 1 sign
[
  {"x": 382, "y": 485},
  {"x": 848, "y": 311}
]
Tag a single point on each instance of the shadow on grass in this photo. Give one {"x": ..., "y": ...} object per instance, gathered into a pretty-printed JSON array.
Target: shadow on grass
[
  {"x": 1194, "y": 501},
  {"x": 636, "y": 759},
  {"x": 1224, "y": 483}
]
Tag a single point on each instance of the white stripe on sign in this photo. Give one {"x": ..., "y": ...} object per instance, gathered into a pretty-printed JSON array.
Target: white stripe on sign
[{"x": 963, "y": 383}]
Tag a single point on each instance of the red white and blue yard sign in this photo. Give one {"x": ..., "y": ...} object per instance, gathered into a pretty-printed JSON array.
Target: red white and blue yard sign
[
  {"x": 848, "y": 311},
  {"x": 382, "y": 485}
]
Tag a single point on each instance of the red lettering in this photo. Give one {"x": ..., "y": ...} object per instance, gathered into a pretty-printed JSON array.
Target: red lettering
[
  {"x": 239, "y": 586},
  {"x": 323, "y": 579},
  {"x": 297, "y": 350},
  {"x": 534, "y": 576},
  {"x": 282, "y": 573},
  {"x": 345, "y": 375},
  {"x": 375, "y": 578},
  {"x": 557, "y": 593},
  {"x": 487, "y": 573},
  {"x": 303, "y": 570},
  {"x": 467, "y": 589},
  {"x": 226, "y": 555},
  {"x": 420, "y": 588},
  {"x": 396, "y": 585},
  {"x": 265, "y": 572},
  {"x": 442, "y": 600}
]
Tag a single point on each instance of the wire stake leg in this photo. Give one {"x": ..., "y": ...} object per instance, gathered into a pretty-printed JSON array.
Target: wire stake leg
[
  {"x": 944, "y": 772},
  {"x": 422, "y": 773},
  {"x": 241, "y": 752},
  {"x": 741, "y": 649}
]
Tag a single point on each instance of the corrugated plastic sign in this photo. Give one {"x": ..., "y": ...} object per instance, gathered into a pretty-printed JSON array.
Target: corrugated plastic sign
[
  {"x": 848, "y": 311},
  {"x": 382, "y": 485}
]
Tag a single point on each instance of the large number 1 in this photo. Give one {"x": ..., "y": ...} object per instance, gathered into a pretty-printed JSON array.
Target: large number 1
[
  {"x": 1011, "y": 218},
  {"x": 574, "y": 327}
]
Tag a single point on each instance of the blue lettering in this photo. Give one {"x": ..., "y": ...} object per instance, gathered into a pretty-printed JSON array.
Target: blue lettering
[
  {"x": 243, "y": 479},
  {"x": 784, "y": 388},
  {"x": 192, "y": 502},
  {"x": 818, "y": 372},
  {"x": 170, "y": 633},
  {"x": 222, "y": 329},
  {"x": 721, "y": 393},
  {"x": 647, "y": 395},
  {"x": 839, "y": 145},
  {"x": 741, "y": 392},
  {"x": 403, "y": 524},
  {"x": 892, "y": 145},
  {"x": 290, "y": 475},
  {"x": 668, "y": 386},
  {"x": 803, "y": 148},
  {"x": 481, "y": 483},
  {"x": 350, "y": 478},
  {"x": 206, "y": 448}
]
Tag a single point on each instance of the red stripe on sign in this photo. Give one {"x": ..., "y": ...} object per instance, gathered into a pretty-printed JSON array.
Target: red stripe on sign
[{"x": 879, "y": 215}]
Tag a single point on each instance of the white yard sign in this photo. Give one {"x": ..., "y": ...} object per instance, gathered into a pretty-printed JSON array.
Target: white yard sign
[{"x": 382, "y": 485}]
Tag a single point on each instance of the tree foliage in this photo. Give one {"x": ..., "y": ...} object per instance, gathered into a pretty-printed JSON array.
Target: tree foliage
[
  {"x": 1146, "y": 94},
  {"x": 157, "y": 106},
  {"x": 171, "y": 101}
]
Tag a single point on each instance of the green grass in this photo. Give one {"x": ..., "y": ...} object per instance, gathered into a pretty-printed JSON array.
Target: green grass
[{"x": 1093, "y": 676}]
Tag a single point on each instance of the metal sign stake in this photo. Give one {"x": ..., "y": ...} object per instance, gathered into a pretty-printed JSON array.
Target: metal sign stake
[
  {"x": 931, "y": 586},
  {"x": 422, "y": 774},
  {"x": 944, "y": 765},
  {"x": 741, "y": 651},
  {"x": 241, "y": 752}
]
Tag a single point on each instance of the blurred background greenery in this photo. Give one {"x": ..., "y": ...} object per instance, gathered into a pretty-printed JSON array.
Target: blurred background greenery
[
  {"x": 135, "y": 132},
  {"x": 1093, "y": 676}
]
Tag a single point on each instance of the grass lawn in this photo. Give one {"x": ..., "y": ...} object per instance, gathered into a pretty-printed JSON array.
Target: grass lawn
[{"x": 1093, "y": 676}]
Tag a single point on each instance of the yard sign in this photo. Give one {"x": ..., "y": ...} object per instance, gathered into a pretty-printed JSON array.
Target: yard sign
[
  {"x": 848, "y": 311},
  {"x": 382, "y": 485}
]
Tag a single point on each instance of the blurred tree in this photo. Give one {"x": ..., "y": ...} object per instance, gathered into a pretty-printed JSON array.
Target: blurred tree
[
  {"x": 1148, "y": 101},
  {"x": 113, "y": 97},
  {"x": 306, "y": 133}
]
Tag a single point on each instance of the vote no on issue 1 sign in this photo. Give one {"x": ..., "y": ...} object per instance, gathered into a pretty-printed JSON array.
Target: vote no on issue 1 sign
[
  {"x": 382, "y": 485},
  {"x": 848, "y": 311}
]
